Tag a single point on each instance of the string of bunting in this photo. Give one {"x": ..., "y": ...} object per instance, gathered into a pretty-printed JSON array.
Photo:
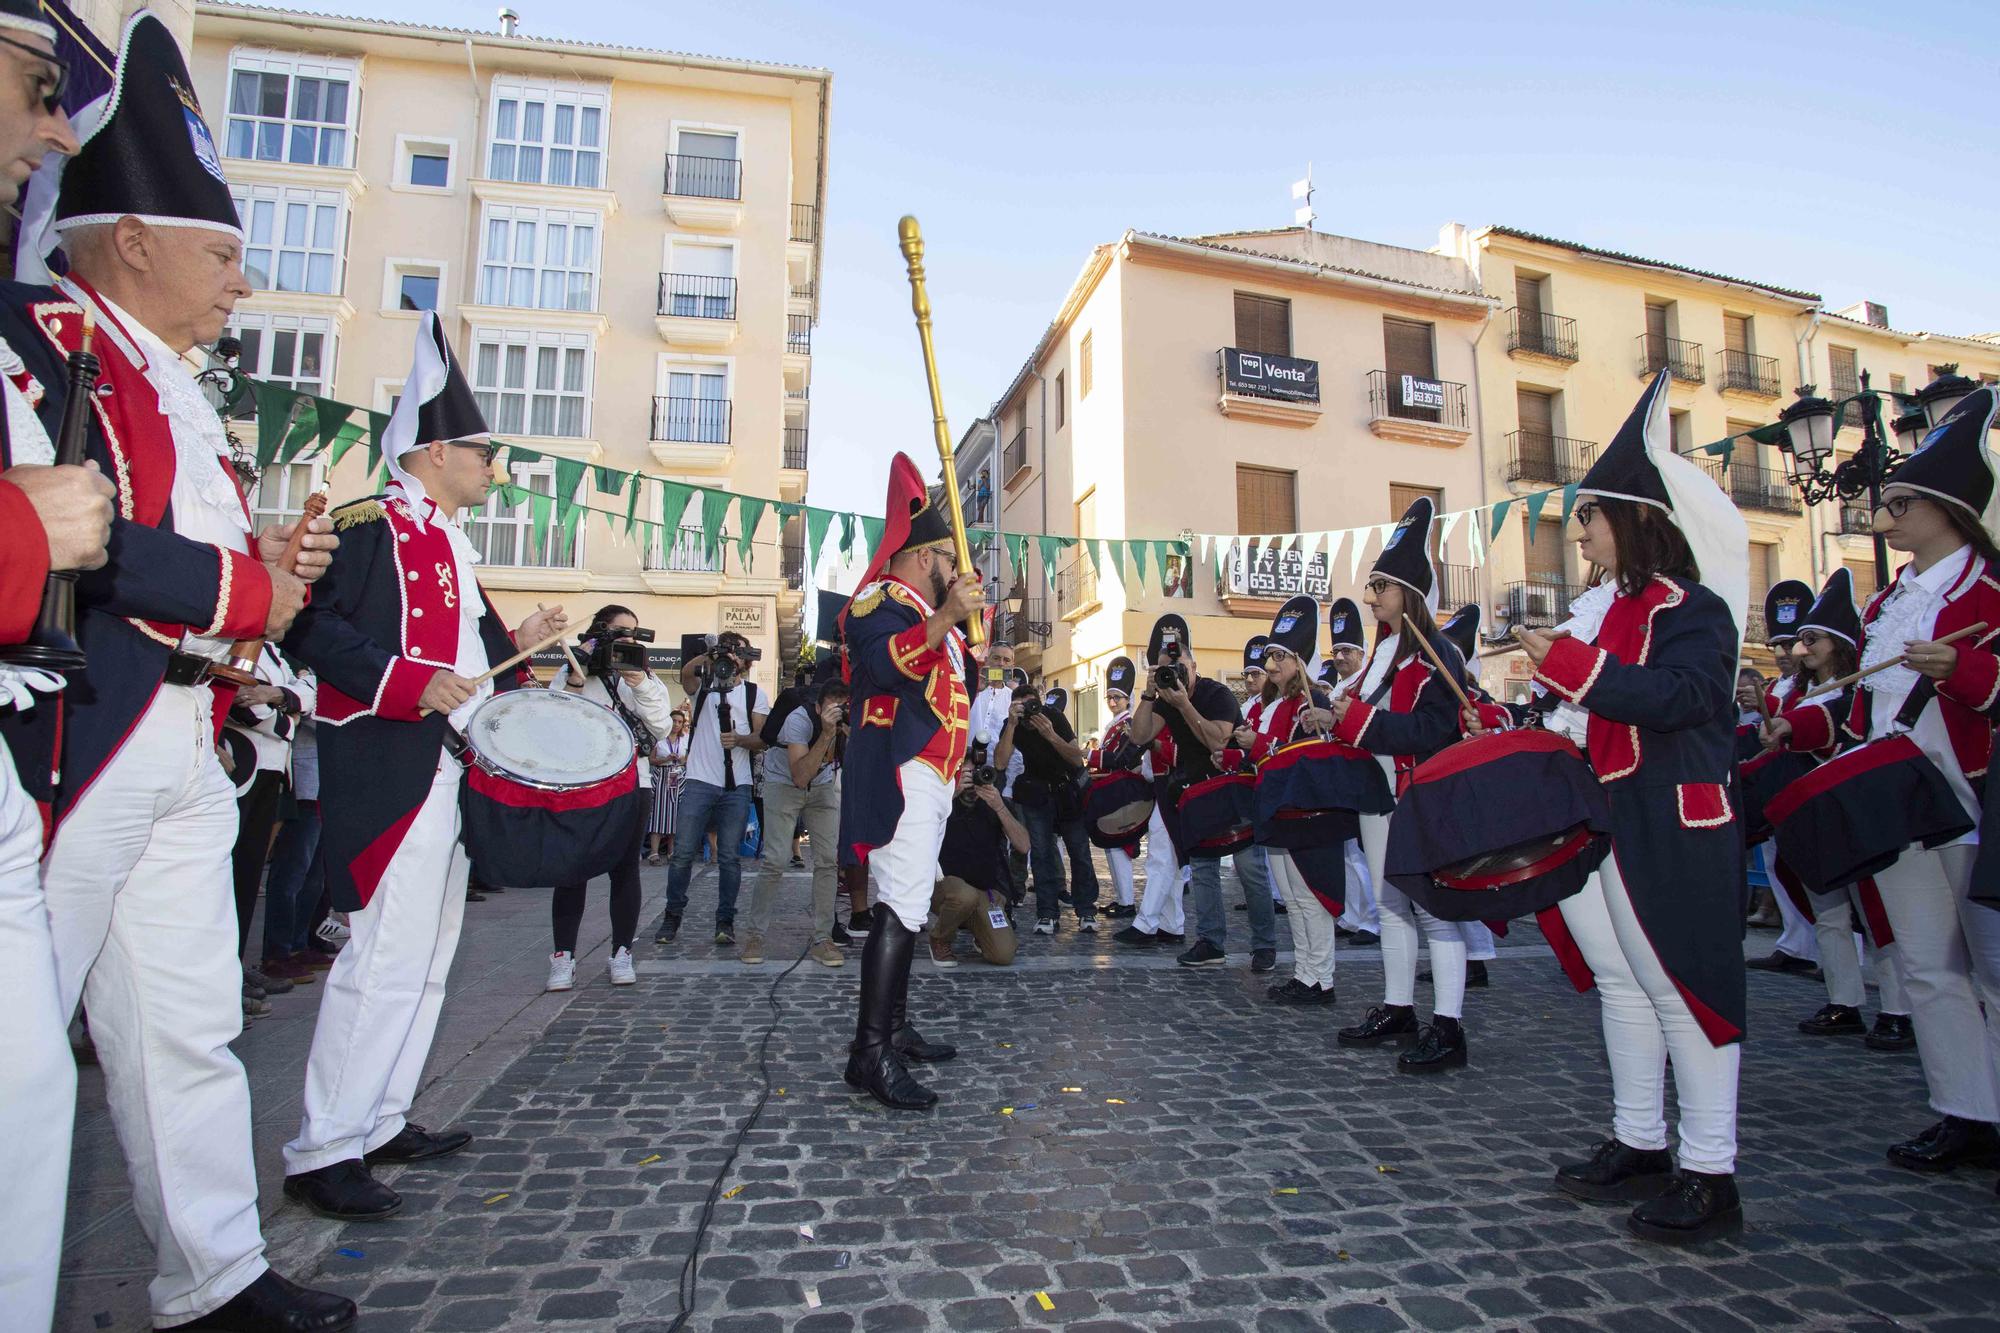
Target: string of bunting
[{"x": 293, "y": 425}]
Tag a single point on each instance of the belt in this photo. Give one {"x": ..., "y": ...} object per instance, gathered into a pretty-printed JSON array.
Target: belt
[{"x": 188, "y": 668}]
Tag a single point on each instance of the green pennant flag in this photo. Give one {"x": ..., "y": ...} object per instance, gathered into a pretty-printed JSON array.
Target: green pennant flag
[
  {"x": 1499, "y": 518},
  {"x": 569, "y": 476},
  {"x": 539, "y": 506},
  {"x": 871, "y": 532},
  {"x": 610, "y": 481},
  {"x": 635, "y": 484},
  {"x": 1116, "y": 550},
  {"x": 1090, "y": 550},
  {"x": 714, "y": 513},
  {"x": 1051, "y": 549},
  {"x": 344, "y": 439},
  {"x": 1138, "y": 552},
  {"x": 1724, "y": 449},
  {"x": 846, "y": 536},
  {"x": 568, "y": 523},
  {"x": 674, "y": 497},
  {"x": 377, "y": 423},
  {"x": 274, "y": 418},
  {"x": 1017, "y": 553},
  {"x": 1569, "y": 501},
  {"x": 817, "y": 522},
  {"x": 1535, "y": 503},
  {"x": 330, "y": 418},
  {"x": 304, "y": 431},
  {"x": 517, "y": 453},
  {"x": 749, "y": 513}
]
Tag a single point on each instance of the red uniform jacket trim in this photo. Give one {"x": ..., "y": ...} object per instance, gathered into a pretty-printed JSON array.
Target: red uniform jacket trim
[
  {"x": 1572, "y": 668},
  {"x": 24, "y": 555},
  {"x": 1974, "y": 597}
]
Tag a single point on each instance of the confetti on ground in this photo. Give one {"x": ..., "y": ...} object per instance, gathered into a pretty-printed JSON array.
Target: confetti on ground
[
  {"x": 1006, "y": 1110},
  {"x": 496, "y": 1198},
  {"x": 1114, "y": 1101},
  {"x": 1042, "y": 1299},
  {"x": 1029, "y": 1106},
  {"x": 812, "y": 1298},
  {"x": 781, "y": 1092},
  {"x": 351, "y": 1253},
  {"x": 1389, "y": 1170},
  {"x": 807, "y": 1232},
  {"x": 844, "y": 1259},
  {"x": 1072, "y": 1089},
  {"x": 1342, "y": 1255},
  {"x": 732, "y": 1193},
  {"x": 1006, "y": 1045},
  {"x": 1286, "y": 1190},
  {"x": 648, "y": 1161}
]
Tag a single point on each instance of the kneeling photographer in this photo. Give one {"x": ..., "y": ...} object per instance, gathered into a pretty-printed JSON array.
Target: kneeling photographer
[
  {"x": 725, "y": 718},
  {"x": 972, "y": 868},
  {"x": 613, "y": 652},
  {"x": 1050, "y": 794}
]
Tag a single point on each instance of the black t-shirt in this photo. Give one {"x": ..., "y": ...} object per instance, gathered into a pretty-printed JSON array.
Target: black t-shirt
[
  {"x": 975, "y": 846},
  {"x": 1212, "y": 700},
  {"x": 1039, "y": 759}
]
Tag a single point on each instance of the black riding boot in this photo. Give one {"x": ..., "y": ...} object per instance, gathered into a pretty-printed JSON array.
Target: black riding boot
[
  {"x": 909, "y": 1042},
  {"x": 873, "y": 1066}
]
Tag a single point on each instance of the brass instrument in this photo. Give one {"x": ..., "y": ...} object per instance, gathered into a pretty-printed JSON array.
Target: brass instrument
[
  {"x": 912, "y": 242},
  {"x": 52, "y": 646}
]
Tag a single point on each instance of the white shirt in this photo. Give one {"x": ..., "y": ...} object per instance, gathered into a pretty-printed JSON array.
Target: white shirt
[
  {"x": 650, "y": 703},
  {"x": 705, "y": 753},
  {"x": 1586, "y": 621},
  {"x": 989, "y": 714},
  {"x": 1909, "y": 614},
  {"x": 274, "y": 752},
  {"x": 27, "y": 442}
]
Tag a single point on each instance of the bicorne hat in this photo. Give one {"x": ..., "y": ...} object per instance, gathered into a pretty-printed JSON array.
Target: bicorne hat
[
  {"x": 1120, "y": 676},
  {"x": 1406, "y": 553},
  {"x": 1296, "y": 629},
  {"x": 1834, "y": 611},
  {"x": 1343, "y": 625},
  {"x": 910, "y": 522},
  {"x": 1462, "y": 630},
  {"x": 1953, "y": 463},
  {"x": 1783, "y": 605}
]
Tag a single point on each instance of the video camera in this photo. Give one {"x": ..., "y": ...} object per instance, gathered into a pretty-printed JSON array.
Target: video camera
[
  {"x": 729, "y": 656},
  {"x": 1173, "y": 675},
  {"x": 617, "y": 650},
  {"x": 983, "y": 773}
]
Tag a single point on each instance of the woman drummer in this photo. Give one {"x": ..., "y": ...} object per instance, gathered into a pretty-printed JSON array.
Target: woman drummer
[
  {"x": 1645, "y": 668},
  {"x": 1825, "y": 648},
  {"x": 1403, "y": 714},
  {"x": 1940, "y": 507}
]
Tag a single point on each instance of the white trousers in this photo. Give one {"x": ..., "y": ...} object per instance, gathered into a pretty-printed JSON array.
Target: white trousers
[
  {"x": 1311, "y": 924},
  {"x": 37, "y": 1072},
  {"x": 1647, "y": 1023},
  {"x": 1401, "y": 920},
  {"x": 1797, "y": 936},
  {"x": 143, "y": 913},
  {"x": 905, "y": 868},
  {"x": 1950, "y": 950},
  {"x": 1161, "y": 907},
  {"x": 1358, "y": 909},
  {"x": 379, "y": 1008},
  {"x": 1842, "y": 952},
  {"x": 1479, "y": 946},
  {"x": 1120, "y": 865}
]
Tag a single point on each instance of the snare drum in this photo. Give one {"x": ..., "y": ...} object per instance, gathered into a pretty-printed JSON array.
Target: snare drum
[
  {"x": 1217, "y": 816},
  {"x": 1117, "y": 807},
  {"x": 1311, "y": 793},
  {"x": 1856, "y": 813},
  {"x": 551, "y": 788},
  {"x": 1761, "y": 779}
]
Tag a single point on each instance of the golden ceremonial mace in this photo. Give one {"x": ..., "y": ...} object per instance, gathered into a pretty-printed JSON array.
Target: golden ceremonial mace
[{"x": 912, "y": 241}]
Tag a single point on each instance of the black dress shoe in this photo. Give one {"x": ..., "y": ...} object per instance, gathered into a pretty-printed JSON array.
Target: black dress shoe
[
  {"x": 345, "y": 1192},
  {"x": 1475, "y": 974},
  {"x": 1948, "y": 1145},
  {"x": 1617, "y": 1173},
  {"x": 1263, "y": 960},
  {"x": 1135, "y": 936},
  {"x": 911, "y": 1045},
  {"x": 1175, "y": 938},
  {"x": 1298, "y": 992},
  {"x": 1391, "y": 1023},
  {"x": 1697, "y": 1207},
  {"x": 1892, "y": 1032},
  {"x": 414, "y": 1143},
  {"x": 1780, "y": 961},
  {"x": 1834, "y": 1020},
  {"x": 1440, "y": 1046},
  {"x": 274, "y": 1304}
]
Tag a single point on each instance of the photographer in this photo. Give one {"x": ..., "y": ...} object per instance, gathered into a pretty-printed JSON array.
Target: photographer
[
  {"x": 1050, "y": 794},
  {"x": 722, "y": 746},
  {"x": 972, "y": 865},
  {"x": 610, "y": 648},
  {"x": 802, "y": 780}
]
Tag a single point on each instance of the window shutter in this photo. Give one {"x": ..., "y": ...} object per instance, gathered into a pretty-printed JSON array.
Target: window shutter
[
  {"x": 1402, "y": 497},
  {"x": 1263, "y": 324},
  {"x": 1266, "y": 501},
  {"x": 1736, "y": 333},
  {"x": 1545, "y": 553},
  {"x": 1407, "y": 348},
  {"x": 1528, "y": 296}
]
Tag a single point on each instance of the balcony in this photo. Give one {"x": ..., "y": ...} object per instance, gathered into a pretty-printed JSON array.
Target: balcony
[
  {"x": 705, "y": 193},
  {"x": 1552, "y": 460},
  {"x": 799, "y": 334},
  {"x": 677, "y": 563},
  {"x": 1457, "y": 585},
  {"x": 1741, "y": 372},
  {"x": 803, "y": 293},
  {"x": 1536, "y": 603},
  {"x": 795, "y": 448},
  {"x": 792, "y": 556},
  {"x": 1021, "y": 629},
  {"x": 1014, "y": 459},
  {"x": 1753, "y": 487},
  {"x": 1416, "y": 410},
  {"x": 1258, "y": 386},
  {"x": 1076, "y": 587},
  {"x": 697, "y": 310},
  {"x": 692, "y": 434},
  {"x": 805, "y": 223},
  {"x": 1856, "y": 520},
  {"x": 1680, "y": 359},
  {"x": 1536, "y": 334}
]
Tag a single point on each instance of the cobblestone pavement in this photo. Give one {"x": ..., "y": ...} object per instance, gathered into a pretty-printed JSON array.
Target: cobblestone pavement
[{"x": 1179, "y": 1155}]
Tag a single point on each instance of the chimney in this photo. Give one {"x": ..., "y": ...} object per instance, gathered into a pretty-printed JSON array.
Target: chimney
[
  {"x": 1866, "y": 312},
  {"x": 509, "y": 21}
]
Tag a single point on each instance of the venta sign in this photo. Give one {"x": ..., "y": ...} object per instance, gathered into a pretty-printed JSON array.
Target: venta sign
[
  {"x": 1420, "y": 392},
  {"x": 1255, "y": 375}
]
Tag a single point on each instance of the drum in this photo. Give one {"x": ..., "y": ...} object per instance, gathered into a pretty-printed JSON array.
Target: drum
[
  {"x": 1498, "y": 826},
  {"x": 551, "y": 788},
  {"x": 1311, "y": 793},
  {"x": 1760, "y": 780},
  {"x": 1217, "y": 816},
  {"x": 1117, "y": 807},
  {"x": 1856, "y": 813}
]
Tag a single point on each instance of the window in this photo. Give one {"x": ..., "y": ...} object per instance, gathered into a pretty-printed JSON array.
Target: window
[
  {"x": 1897, "y": 384},
  {"x": 424, "y": 164},
  {"x": 540, "y": 258},
  {"x": 1680, "y": 429},
  {"x": 1083, "y": 367},
  {"x": 1266, "y": 500},
  {"x": 1263, "y": 324},
  {"x": 419, "y": 292},
  {"x": 280, "y": 497},
  {"x": 1736, "y": 334},
  {"x": 1062, "y": 400},
  {"x": 504, "y": 533},
  {"x": 293, "y": 350},
  {"x": 1544, "y": 555},
  {"x": 1763, "y": 557},
  {"x": 1863, "y": 574},
  {"x": 293, "y": 238},
  {"x": 1843, "y": 369},
  {"x": 704, "y": 165},
  {"x": 547, "y": 136},
  {"x": 701, "y": 281},
  {"x": 283, "y": 109},
  {"x": 533, "y": 383},
  {"x": 413, "y": 284},
  {"x": 1401, "y": 497},
  {"x": 694, "y": 405},
  {"x": 1407, "y": 348}
]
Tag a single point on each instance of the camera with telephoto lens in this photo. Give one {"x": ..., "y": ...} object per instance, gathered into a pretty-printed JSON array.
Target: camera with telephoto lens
[
  {"x": 729, "y": 656},
  {"x": 983, "y": 773},
  {"x": 616, "y": 650},
  {"x": 1173, "y": 675},
  {"x": 1031, "y": 707}
]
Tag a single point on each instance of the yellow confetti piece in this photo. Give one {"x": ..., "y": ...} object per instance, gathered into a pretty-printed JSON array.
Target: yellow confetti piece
[
  {"x": 1389, "y": 1170},
  {"x": 1006, "y": 1110},
  {"x": 1072, "y": 1089},
  {"x": 1342, "y": 1255},
  {"x": 1042, "y": 1299},
  {"x": 495, "y": 1199},
  {"x": 1286, "y": 1190},
  {"x": 1114, "y": 1101},
  {"x": 730, "y": 1194},
  {"x": 648, "y": 1161},
  {"x": 781, "y": 1092}
]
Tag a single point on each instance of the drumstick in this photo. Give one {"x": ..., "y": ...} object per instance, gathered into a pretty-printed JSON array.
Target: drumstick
[
  {"x": 1900, "y": 659},
  {"x": 575, "y": 667},
  {"x": 515, "y": 660},
  {"x": 1436, "y": 661}
]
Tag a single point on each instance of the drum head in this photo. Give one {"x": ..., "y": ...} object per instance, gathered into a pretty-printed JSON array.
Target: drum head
[{"x": 549, "y": 739}]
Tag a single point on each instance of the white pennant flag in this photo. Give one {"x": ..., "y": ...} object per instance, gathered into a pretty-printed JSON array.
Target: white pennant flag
[
  {"x": 1475, "y": 539},
  {"x": 1358, "y": 554},
  {"x": 1201, "y": 547},
  {"x": 1291, "y": 541},
  {"x": 1224, "y": 548},
  {"x": 1308, "y": 547},
  {"x": 1332, "y": 551},
  {"x": 1451, "y": 522}
]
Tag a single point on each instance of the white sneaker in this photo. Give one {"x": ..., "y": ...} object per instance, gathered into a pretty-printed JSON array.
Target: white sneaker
[
  {"x": 1088, "y": 925},
  {"x": 622, "y": 971},
  {"x": 333, "y": 932},
  {"x": 1045, "y": 927},
  {"x": 562, "y": 970}
]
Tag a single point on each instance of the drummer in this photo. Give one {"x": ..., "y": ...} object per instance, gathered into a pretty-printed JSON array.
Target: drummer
[
  {"x": 1825, "y": 647},
  {"x": 1110, "y": 754},
  {"x": 1645, "y": 668},
  {"x": 1462, "y": 632},
  {"x": 1260, "y": 696},
  {"x": 1940, "y": 508},
  {"x": 1347, "y": 652},
  {"x": 389, "y": 646},
  {"x": 1403, "y": 714}
]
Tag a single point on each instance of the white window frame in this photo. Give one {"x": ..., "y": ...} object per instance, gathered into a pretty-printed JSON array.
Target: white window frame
[
  {"x": 671, "y": 363},
  {"x": 677, "y": 127},
  {"x": 533, "y": 341},
  {"x": 281, "y": 199},
  {"x": 514, "y": 215},
  {"x": 291, "y": 505},
  {"x": 295, "y": 66},
  {"x": 268, "y": 325},
  {"x": 481, "y": 527},
  {"x": 395, "y": 269},
  {"x": 550, "y": 93},
  {"x": 668, "y": 266},
  {"x": 385, "y": 394},
  {"x": 409, "y": 146}
]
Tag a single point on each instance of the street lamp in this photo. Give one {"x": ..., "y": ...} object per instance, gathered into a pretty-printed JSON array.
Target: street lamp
[
  {"x": 1015, "y": 600},
  {"x": 1910, "y": 427},
  {"x": 1942, "y": 394},
  {"x": 1810, "y": 425}
]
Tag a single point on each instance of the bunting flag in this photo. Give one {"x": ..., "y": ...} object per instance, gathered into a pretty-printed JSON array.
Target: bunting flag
[
  {"x": 1116, "y": 550},
  {"x": 608, "y": 480},
  {"x": 749, "y": 513},
  {"x": 1202, "y": 545},
  {"x": 1535, "y": 503},
  {"x": 1051, "y": 552},
  {"x": 632, "y": 504},
  {"x": 1333, "y": 541},
  {"x": 1017, "y": 554},
  {"x": 1138, "y": 553},
  {"x": 1359, "y": 553},
  {"x": 817, "y": 522},
  {"x": 674, "y": 497},
  {"x": 1500, "y": 509}
]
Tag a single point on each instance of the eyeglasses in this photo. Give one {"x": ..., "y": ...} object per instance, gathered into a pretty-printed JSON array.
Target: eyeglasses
[
  {"x": 1272, "y": 654},
  {"x": 1376, "y": 587},
  {"x": 51, "y": 97},
  {"x": 488, "y": 451},
  {"x": 1898, "y": 505},
  {"x": 1810, "y": 639},
  {"x": 1586, "y": 513}
]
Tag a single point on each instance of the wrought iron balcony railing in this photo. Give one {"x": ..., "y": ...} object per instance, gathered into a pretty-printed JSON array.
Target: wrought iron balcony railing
[
  {"x": 691, "y": 420},
  {"x": 1537, "y": 603},
  {"x": 1753, "y": 487},
  {"x": 683, "y": 553},
  {"x": 1552, "y": 459},
  {"x": 795, "y": 448},
  {"x": 805, "y": 223},
  {"x": 1680, "y": 359},
  {"x": 703, "y": 177},
  {"x": 799, "y": 333},
  {"x": 1748, "y": 373},
  {"x": 1457, "y": 585},
  {"x": 697, "y": 296},
  {"x": 1386, "y": 399},
  {"x": 1015, "y": 456},
  {"x": 1539, "y": 333}
]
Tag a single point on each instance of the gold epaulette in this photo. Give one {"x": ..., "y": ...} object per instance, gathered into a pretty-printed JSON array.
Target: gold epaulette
[
  {"x": 866, "y": 603},
  {"x": 356, "y": 513}
]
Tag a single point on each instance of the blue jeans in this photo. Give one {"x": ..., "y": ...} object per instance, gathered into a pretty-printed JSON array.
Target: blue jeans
[
  {"x": 1044, "y": 832},
  {"x": 704, "y": 806},
  {"x": 1211, "y": 922},
  {"x": 292, "y": 889}
]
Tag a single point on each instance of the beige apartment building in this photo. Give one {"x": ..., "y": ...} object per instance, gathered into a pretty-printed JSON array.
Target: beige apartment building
[{"x": 623, "y": 245}]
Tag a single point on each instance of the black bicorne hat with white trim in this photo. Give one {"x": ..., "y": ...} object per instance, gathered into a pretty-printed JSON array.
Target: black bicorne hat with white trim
[
  {"x": 26, "y": 16},
  {"x": 1784, "y": 606},
  {"x": 1253, "y": 652},
  {"x": 1296, "y": 629},
  {"x": 1462, "y": 630},
  {"x": 1056, "y": 698},
  {"x": 1406, "y": 554},
  {"x": 1625, "y": 470},
  {"x": 1120, "y": 676},
  {"x": 1953, "y": 464},
  {"x": 437, "y": 403},
  {"x": 1343, "y": 625},
  {"x": 1835, "y": 612},
  {"x": 1154, "y": 641}
]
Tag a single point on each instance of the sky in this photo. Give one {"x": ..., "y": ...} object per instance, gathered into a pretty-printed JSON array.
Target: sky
[{"x": 1842, "y": 147}]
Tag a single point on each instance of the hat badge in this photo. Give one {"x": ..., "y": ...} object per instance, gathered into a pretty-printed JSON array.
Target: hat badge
[
  {"x": 199, "y": 138},
  {"x": 1285, "y": 623}
]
